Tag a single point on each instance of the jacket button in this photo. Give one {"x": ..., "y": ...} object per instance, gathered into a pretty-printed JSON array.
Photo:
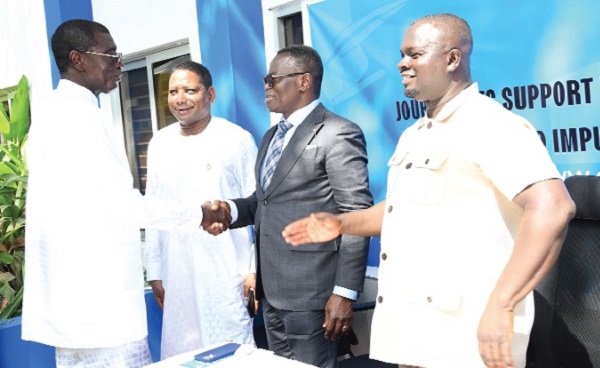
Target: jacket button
[
  {"x": 429, "y": 299},
  {"x": 429, "y": 125},
  {"x": 408, "y": 165},
  {"x": 383, "y": 256},
  {"x": 390, "y": 208},
  {"x": 380, "y": 299},
  {"x": 426, "y": 161},
  {"x": 265, "y": 202}
]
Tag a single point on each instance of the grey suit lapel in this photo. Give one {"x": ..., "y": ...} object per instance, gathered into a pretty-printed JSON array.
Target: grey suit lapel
[{"x": 303, "y": 135}]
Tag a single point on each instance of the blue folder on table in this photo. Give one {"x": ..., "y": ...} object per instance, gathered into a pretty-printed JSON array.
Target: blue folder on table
[{"x": 219, "y": 352}]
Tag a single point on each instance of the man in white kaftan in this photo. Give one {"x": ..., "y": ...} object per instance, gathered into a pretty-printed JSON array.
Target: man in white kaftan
[
  {"x": 198, "y": 277},
  {"x": 84, "y": 287}
]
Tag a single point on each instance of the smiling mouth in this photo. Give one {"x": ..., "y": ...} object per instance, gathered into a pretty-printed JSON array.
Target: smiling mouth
[
  {"x": 406, "y": 78},
  {"x": 184, "y": 109}
]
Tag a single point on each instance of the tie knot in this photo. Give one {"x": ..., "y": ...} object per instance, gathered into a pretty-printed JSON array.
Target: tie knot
[{"x": 284, "y": 125}]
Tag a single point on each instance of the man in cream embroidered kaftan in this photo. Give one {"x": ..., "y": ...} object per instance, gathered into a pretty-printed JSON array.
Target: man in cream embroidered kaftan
[{"x": 202, "y": 275}]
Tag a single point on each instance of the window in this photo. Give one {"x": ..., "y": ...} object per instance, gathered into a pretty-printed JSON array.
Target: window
[
  {"x": 286, "y": 23},
  {"x": 292, "y": 29},
  {"x": 143, "y": 102}
]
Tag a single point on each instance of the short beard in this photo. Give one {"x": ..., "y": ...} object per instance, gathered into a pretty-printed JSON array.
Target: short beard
[{"x": 411, "y": 92}]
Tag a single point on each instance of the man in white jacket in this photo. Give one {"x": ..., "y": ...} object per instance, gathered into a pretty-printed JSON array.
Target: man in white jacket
[{"x": 468, "y": 226}]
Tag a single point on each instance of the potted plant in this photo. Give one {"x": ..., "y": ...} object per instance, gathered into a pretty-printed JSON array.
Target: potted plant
[{"x": 14, "y": 125}]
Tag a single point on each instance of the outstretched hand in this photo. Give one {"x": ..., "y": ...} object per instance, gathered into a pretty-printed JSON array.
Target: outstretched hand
[
  {"x": 216, "y": 217},
  {"x": 316, "y": 228}
]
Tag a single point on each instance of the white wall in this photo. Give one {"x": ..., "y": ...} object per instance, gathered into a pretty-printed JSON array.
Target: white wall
[
  {"x": 24, "y": 45},
  {"x": 138, "y": 25},
  {"x": 135, "y": 25}
]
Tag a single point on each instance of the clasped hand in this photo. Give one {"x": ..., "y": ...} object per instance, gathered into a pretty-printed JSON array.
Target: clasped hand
[{"x": 216, "y": 217}]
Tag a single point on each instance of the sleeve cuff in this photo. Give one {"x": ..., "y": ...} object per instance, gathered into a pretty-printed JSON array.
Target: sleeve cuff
[
  {"x": 346, "y": 293},
  {"x": 153, "y": 272},
  {"x": 233, "y": 209}
]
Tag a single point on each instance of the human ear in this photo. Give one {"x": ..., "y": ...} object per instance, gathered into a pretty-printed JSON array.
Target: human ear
[
  {"x": 305, "y": 81},
  {"x": 454, "y": 58},
  {"x": 212, "y": 94},
  {"x": 76, "y": 60}
]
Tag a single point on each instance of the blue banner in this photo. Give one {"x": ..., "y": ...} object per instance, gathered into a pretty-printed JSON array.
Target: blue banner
[{"x": 539, "y": 58}]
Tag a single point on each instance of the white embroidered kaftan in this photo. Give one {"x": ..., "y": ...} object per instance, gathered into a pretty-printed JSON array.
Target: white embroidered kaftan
[
  {"x": 202, "y": 274},
  {"x": 84, "y": 285}
]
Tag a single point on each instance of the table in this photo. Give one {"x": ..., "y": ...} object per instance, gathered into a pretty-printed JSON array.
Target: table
[{"x": 251, "y": 357}]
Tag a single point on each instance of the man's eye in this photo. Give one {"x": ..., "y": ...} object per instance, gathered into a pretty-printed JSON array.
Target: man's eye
[
  {"x": 191, "y": 91},
  {"x": 172, "y": 92},
  {"x": 415, "y": 56}
]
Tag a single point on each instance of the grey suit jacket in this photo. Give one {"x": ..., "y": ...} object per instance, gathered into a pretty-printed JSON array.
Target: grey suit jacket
[{"x": 323, "y": 168}]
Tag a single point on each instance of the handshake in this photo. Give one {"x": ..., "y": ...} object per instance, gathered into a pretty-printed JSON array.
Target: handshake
[{"x": 216, "y": 217}]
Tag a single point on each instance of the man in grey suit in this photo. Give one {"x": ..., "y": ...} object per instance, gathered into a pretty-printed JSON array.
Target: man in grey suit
[{"x": 307, "y": 292}]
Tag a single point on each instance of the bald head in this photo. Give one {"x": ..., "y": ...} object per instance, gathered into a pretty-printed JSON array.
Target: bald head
[
  {"x": 436, "y": 52},
  {"x": 454, "y": 32}
]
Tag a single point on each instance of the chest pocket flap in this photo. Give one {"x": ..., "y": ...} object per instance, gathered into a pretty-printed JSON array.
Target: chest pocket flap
[{"x": 422, "y": 176}]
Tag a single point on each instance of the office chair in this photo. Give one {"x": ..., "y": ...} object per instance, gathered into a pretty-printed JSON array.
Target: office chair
[{"x": 566, "y": 329}]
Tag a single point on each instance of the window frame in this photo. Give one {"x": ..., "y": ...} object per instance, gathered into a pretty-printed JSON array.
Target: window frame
[
  {"x": 138, "y": 60},
  {"x": 273, "y": 12}
]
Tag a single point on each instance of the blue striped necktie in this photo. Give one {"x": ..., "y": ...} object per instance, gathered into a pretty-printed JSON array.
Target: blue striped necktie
[{"x": 274, "y": 153}]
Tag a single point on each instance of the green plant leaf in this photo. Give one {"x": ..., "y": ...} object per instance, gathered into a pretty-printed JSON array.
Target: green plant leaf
[
  {"x": 4, "y": 122},
  {"x": 7, "y": 179},
  {"x": 13, "y": 307},
  {"x": 5, "y": 277},
  {"x": 15, "y": 227},
  {"x": 5, "y": 169},
  {"x": 13, "y": 188},
  {"x": 19, "y": 116},
  {"x": 13, "y": 159},
  {"x": 6, "y": 258},
  {"x": 6, "y": 291}
]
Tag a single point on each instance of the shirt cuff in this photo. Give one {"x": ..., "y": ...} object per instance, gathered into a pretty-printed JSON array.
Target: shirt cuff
[
  {"x": 153, "y": 272},
  {"x": 233, "y": 209},
  {"x": 346, "y": 293}
]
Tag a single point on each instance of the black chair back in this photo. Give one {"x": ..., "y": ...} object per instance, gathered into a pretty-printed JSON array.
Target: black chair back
[{"x": 566, "y": 330}]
